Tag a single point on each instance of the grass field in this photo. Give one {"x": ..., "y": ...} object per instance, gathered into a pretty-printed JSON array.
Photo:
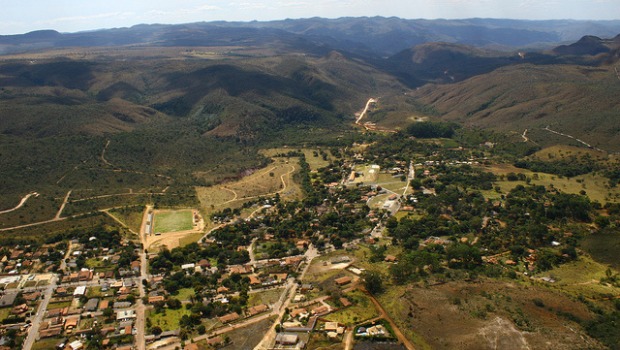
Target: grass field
[
  {"x": 581, "y": 277},
  {"x": 604, "y": 248},
  {"x": 169, "y": 320},
  {"x": 277, "y": 177},
  {"x": 595, "y": 186},
  {"x": 185, "y": 294},
  {"x": 267, "y": 297},
  {"x": 132, "y": 217},
  {"x": 315, "y": 162},
  {"x": 4, "y": 313},
  {"x": 361, "y": 310},
  {"x": 173, "y": 220},
  {"x": 58, "y": 305},
  {"x": 47, "y": 343}
]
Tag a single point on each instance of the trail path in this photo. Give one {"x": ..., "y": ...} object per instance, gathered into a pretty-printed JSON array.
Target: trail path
[
  {"x": 103, "y": 154},
  {"x": 572, "y": 137},
  {"x": 21, "y": 203},
  {"x": 525, "y": 139},
  {"x": 284, "y": 186},
  {"x": 401, "y": 337},
  {"x": 62, "y": 206},
  {"x": 359, "y": 119}
]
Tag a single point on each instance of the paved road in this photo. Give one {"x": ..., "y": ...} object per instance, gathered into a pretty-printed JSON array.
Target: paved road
[{"x": 33, "y": 332}]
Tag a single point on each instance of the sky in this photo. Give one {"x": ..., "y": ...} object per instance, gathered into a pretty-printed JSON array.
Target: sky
[{"x": 21, "y": 16}]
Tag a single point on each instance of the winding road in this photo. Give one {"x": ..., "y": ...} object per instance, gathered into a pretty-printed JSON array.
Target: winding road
[{"x": 21, "y": 203}]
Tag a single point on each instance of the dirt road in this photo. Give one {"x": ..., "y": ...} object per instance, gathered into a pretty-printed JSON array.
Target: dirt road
[
  {"x": 359, "y": 119},
  {"x": 62, "y": 206},
  {"x": 21, "y": 203},
  {"x": 401, "y": 337}
]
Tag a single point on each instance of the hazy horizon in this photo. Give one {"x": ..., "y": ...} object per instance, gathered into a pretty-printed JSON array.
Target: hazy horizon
[{"x": 75, "y": 16}]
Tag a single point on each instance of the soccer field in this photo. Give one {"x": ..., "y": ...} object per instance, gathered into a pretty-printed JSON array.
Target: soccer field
[{"x": 173, "y": 221}]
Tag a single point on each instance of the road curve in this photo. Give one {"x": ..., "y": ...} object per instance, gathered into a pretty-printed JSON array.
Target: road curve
[{"x": 21, "y": 202}]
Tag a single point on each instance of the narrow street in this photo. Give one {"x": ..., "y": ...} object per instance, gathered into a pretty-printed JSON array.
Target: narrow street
[{"x": 33, "y": 332}]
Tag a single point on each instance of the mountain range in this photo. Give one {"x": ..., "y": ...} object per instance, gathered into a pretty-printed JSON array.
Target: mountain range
[
  {"x": 361, "y": 35},
  {"x": 168, "y": 96}
]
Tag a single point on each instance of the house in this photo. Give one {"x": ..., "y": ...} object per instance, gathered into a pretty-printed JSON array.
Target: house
[
  {"x": 222, "y": 289},
  {"x": 122, "y": 315},
  {"x": 255, "y": 310},
  {"x": 331, "y": 326},
  {"x": 302, "y": 244},
  {"x": 156, "y": 299},
  {"x": 229, "y": 317},
  {"x": 76, "y": 345},
  {"x": 191, "y": 346},
  {"x": 240, "y": 269},
  {"x": 121, "y": 305},
  {"x": 306, "y": 287},
  {"x": 345, "y": 302},
  {"x": 215, "y": 341},
  {"x": 343, "y": 280},
  {"x": 296, "y": 312},
  {"x": 79, "y": 291},
  {"x": 254, "y": 280},
  {"x": 19, "y": 309},
  {"x": 8, "y": 299},
  {"x": 71, "y": 322},
  {"x": 91, "y": 304},
  {"x": 104, "y": 304},
  {"x": 281, "y": 276},
  {"x": 50, "y": 332},
  {"x": 293, "y": 260},
  {"x": 85, "y": 275},
  {"x": 286, "y": 339},
  {"x": 204, "y": 263},
  {"x": 32, "y": 296},
  {"x": 390, "y": 258},
  {"x": 188, "y": 266},
  {"x": 320, "y": 310},
  {"x": 135, "y": 266}
]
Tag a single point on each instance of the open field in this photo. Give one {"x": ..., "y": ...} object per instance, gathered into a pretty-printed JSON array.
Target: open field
[
  {"x": 173, "y": 239},
  {"x": 184, "y": 294},
  {"x": 267, "y": 297},
  {"x": 313, "y": 156},
  {"x": 173, "y": 220},
  {"x": 168, "y": 320},
  {"x": 277, "y": 177},
  {"x": 487, "y": 314},
  {"x": 604, "y": 248},
  {"x": 132, "y": 217},
  {"x": 5, "y": 312},
  {"x": 40, "y": 232},
  {"x": 47, "y": 343},
  {"x": 35, "y": 209},
  {"x": 361, "y": 310},
  {"x": 247, "y": 338},
  {"x": 582, "y": 277},
  {"x": 595, "y": 186}
]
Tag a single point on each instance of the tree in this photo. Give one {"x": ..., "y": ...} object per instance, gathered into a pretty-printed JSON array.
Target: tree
[
  {"x": 156, "y": 330},
  {"x": 373, "y": 282}
]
